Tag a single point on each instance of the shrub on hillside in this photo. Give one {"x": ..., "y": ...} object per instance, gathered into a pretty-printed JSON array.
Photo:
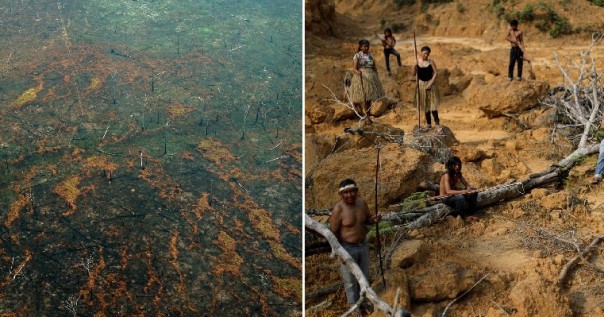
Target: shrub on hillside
[
  {"x": 599, "y": 3},
  {"x": 527, "y": 14}
]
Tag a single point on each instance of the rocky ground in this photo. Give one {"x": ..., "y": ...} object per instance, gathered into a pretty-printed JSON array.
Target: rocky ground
[{"x": 500, "y": 130}]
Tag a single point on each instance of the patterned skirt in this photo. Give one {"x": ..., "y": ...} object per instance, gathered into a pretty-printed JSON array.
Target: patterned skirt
[
  {"x": 429, "y": 100},
  {"x": 367, "y": 89}
]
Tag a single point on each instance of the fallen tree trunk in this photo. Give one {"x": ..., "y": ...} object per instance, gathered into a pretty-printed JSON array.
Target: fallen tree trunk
[{"x": 424, "y": 217}]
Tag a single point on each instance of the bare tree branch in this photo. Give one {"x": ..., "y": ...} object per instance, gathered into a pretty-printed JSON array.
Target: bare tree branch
[{"x": 338, "y": 250}]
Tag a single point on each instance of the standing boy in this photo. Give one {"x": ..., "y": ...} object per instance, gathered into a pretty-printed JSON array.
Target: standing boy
[{"x": 516, "y": 53}]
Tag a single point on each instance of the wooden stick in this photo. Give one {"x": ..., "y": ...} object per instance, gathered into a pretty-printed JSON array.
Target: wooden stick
[
  {"x": 416, "y": 81},
  {"x": 462, "y": 295},
  {"x": 571, "y": 263},
  {"x": 377, "y": 223}
]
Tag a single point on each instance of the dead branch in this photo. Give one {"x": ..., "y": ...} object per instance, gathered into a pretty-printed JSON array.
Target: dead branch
[
  {"x": 462, "y": 295},
  {"x": 573, "y": 261},
  {"x": 323, "y": 291},
  {"x": 582, "y": 100},
  {"x": 338, "y": 250}
]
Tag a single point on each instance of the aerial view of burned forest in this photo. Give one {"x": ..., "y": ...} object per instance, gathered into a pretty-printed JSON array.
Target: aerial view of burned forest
[{"x": 151, "y": 158}]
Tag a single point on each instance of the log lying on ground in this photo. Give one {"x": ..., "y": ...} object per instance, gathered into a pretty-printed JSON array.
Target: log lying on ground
[
  {"x": 338, "y": 250},
  {"x": 424, "y": 217}
]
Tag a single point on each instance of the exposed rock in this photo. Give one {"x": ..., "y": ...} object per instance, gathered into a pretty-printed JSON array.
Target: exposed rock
[
  {"x": 470, "y": 153},
  {"x": 379, "y": 107},
  {"x": 533, "y": 296},
  {"x": 408, "y": 253},
  {"x": 343, "y": 112},
  {"x": 402, "y": 170},
  {"x": 491, "y": 167},
  {"x": 318, "y": 147},
  {"x": 458, "y": 80},
  {"x": 318, "y": 113},
  {"x": 503, "y": 97}
]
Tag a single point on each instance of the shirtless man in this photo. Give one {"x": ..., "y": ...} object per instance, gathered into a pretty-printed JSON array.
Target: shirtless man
[
  {"x": 348, "y": 220},
  {"x": 449, "y": 185},
  {"x": 514, "y": 36}
]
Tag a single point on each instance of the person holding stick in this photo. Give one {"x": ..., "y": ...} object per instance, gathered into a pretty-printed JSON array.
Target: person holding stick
[
  {"x": 348, "y": 223},
  {"x": 388, "y": 42},
  {"x": 515, "y": 37},
  {"x": 450, "y": 184},
  {"x": 365, "y": 85},
  {"x": 429, "y": 95}
]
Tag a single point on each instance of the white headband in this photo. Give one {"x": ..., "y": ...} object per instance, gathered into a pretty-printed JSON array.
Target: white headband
[{"x": 349, "y": 186}]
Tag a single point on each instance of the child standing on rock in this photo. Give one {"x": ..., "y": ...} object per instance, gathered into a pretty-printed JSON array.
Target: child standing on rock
[{"x": 514, "y": 36}]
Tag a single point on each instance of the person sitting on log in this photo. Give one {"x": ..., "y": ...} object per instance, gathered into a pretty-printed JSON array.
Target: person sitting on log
[
  {"x": 348, "y": 220},
  {"x": 450, "y": 184}
]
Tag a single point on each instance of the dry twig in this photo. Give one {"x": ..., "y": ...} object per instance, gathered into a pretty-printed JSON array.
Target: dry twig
[
  {"x": 462, "y": 295},
  {"x": 573, "y": 261}
]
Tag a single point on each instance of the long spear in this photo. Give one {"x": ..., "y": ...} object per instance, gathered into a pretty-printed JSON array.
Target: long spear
[
  {"x": 416, "y": 81},
  {"x": 377, "y": 223}
]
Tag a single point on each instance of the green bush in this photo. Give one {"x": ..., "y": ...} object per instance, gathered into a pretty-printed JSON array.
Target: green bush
[
  {"x": 560, "y": 27},
  {"x": 460, "y": 8},
  {"x": 499, "y": 10},
  {"x": 599, "y": 3},
  {"x": 527, "y": 14}
]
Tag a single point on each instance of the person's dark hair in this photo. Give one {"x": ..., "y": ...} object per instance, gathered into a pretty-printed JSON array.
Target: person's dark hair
[
  {"x": 361, "y": 43},
  {"x": 426, "y": 48},
  {"x": 347, "y": 182},
  {"x": 514, "y": 22},
  {"x": 450, "y": 165},
  {"x": 387, "y": 30}
]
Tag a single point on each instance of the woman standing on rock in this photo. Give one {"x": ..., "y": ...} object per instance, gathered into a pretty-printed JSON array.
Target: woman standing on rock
[
  {"x": 365, "y": 86},
  {"x": 429, "y": 96}
]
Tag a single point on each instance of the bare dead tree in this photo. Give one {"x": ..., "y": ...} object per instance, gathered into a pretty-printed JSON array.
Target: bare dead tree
[{"x": 582, "y": 99}]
